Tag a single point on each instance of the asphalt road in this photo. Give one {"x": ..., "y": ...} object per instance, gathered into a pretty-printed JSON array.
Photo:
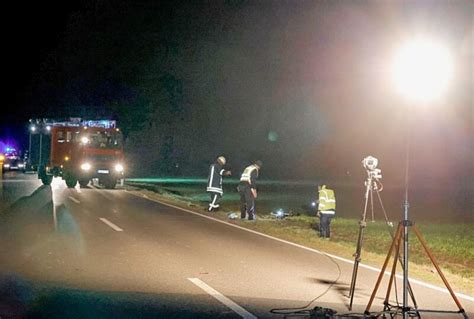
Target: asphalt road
[{"x": 94, "y": 253}]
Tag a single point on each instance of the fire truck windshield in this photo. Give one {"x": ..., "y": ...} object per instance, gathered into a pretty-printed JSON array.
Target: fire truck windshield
[{"x": 105, "y": 139}]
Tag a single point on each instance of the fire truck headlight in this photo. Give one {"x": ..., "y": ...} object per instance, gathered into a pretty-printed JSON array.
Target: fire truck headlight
[
  {"x": 119, "y": 168},
  {"x": 84, "y": 140},
  {"x": 86, "y": 166}
]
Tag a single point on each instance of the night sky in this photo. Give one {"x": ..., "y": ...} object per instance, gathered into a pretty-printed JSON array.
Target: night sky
[{"x": 302, "y": 85}]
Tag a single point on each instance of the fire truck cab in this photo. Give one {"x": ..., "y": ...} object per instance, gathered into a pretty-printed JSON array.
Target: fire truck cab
[{"x": 83, "y": 150}]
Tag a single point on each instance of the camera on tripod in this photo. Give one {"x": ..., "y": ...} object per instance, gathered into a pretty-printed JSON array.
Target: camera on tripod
[{"x": 370, "y": 164}]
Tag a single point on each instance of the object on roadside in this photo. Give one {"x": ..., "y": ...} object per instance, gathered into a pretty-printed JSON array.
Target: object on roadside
[
  {"x": 280, "y": 214},
  {"x": 233, "y": 215}
]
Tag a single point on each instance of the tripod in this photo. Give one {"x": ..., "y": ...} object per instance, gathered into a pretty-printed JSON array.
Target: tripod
[
  {"x": 372, "y": 184},
  {"x": 395, "y": 248}
]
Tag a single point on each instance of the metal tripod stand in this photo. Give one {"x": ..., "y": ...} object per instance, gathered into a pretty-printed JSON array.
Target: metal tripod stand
[
  {"x": 395, "y": 248},
  {"x": 372, "y": 184}
]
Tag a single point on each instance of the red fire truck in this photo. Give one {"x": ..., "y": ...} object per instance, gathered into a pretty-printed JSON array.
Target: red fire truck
[{"x": 83, "y": 150}]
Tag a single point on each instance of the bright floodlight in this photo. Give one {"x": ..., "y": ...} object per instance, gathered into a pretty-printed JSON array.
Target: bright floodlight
[{"x": 422, "y": 70}]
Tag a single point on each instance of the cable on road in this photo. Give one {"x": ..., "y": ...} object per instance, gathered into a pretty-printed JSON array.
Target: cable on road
[{"x": 306, "y": 309}]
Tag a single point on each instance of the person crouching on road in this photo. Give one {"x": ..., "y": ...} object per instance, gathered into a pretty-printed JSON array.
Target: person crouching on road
[
  {"x": 326, "y": 210},
  {"x": 248, "y": 190},
  {"x": 214, "y": 182}
]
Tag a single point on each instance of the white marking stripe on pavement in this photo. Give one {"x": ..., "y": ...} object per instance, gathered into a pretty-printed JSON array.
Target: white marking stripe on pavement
[
  {"x": 74, "y": 200},
  {"x": 110, "y": 224},
  {"x": 226, "y": 301},
  {"x": 419, "y": 282}
]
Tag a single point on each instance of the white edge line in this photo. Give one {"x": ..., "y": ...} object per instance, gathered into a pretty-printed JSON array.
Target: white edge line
[
  {"x": 419, "y": 282},
  {"x": 74, "y": 200},
  {"x": 110, "y": 224},
  {"x": 223, "y": 299}
]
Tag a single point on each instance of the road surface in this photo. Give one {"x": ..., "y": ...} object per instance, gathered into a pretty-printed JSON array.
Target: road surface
[{"x": 95, "y": 253}]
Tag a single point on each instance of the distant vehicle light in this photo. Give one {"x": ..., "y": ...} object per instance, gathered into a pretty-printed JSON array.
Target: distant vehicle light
[
  {"x": 119, "y": 168},
  {"x": 84, "y": 140},
  {"x": 6, "y": 165},
  {"x": 33, "y": 128},
  {"x": 48, "y": 128},
  {"x": 86, "y": 166},
  {"x": 21, "y": 165}
]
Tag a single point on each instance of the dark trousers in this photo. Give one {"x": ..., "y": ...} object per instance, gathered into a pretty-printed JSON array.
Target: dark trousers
[
  {"x": 214, "y": 203},
  {"x": 247, "y": 202},
  {"x": 325, "y": 225}
]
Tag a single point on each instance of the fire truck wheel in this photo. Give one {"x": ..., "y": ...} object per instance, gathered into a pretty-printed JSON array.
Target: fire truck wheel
[
  {"x": 71, "y": 182},
  {"x": 83, "y": 183},
  {"x": 46, "y": 179}
]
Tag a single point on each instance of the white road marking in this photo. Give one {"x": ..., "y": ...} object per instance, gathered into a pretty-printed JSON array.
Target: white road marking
[
  {"x": 419, "y": 282},
  {"x": 223, "y": 299},
  {"x": 110, "y": 224},
  {"x": 74, "y": 200}
]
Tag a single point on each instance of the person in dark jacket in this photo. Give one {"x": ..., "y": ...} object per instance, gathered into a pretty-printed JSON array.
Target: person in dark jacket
[
  {"x": 214, "y": 182},
  {"x": 248, "y": 190}
]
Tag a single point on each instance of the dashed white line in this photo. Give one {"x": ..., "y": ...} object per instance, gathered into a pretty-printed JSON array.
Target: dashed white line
[
  {"x": 74, "y": 200},
  {"x": 110, "y": 224},
  {"x": 223, "y": 299}
]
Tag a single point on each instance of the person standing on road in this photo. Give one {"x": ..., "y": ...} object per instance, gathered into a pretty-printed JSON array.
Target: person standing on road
[
  {"x": 248, "y": 190},
  {"x": 326, "y": 210},
  {"x": 214, "y": 182}
]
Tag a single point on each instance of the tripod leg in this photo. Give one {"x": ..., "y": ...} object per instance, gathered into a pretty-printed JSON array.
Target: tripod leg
[
  {"x": 362, "y": 224},
  {"x": 372, "y": 205},
  {"x": 360, "y": 239},
  {"x": 435, "y": 263},
  {"x": 392, "y": 274},
  {"x": 389, "y": 254}
]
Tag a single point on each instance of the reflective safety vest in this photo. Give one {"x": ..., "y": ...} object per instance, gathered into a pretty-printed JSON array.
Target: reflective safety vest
[
  {"x": 247, "y": 174},
  {"x": 327, "y": 201}
]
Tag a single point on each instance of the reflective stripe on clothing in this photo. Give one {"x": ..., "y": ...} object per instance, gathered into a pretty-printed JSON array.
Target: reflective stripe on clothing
[
  {"x": 246, "y": 175},
  {"x": 215, "y": 189},
  {"x": 327, "y": 212}
]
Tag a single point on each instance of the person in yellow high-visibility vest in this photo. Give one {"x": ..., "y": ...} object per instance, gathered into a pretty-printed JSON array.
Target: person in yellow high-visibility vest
[
  {"x": 248, "y": 190},
  {"x": 326, "y": 210}
]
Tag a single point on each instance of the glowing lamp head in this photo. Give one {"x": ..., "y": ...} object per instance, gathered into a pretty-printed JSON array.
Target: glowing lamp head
[
  {"x": 33, "y": 128},
  {"x": 422, "y": 70},
  {"x": 48, "y": 128},
  {"x": 86, "y": 166}
]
